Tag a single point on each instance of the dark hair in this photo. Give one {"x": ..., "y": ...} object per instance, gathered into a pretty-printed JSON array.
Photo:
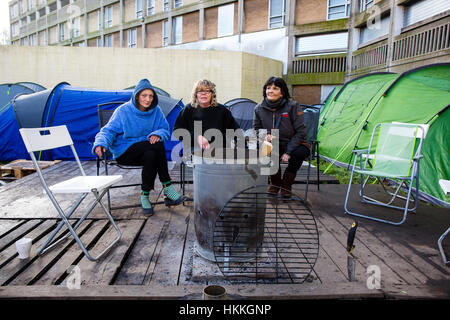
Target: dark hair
[{"x": 278, "y": 82}]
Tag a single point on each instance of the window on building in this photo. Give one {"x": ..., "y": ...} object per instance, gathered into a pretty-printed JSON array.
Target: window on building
[
  {"x": 108, "y": 17},
  {"x": 45, "y": 38},
  {"x": 30, "y": 4},
  {"x": 21, "y": 7},
  {"x": 421, "y": 10},
  {"x": 177, "y": 30},
  {"x": 13, "y": 11},
  {"x": 139, "y": 12},
  {"x": 62, "y": 32},
  {"x": 76, "y": 27},
  {"x": 338, "y": 9},
  {"x": 225, "y": 20},
  {"x": 372, "y": 32},
  {"x": 150, "y": 7},
  {"x": 99, "y": 42},
  {"x": 177, "y": 3},
  {"x": 108, "y": 41},
  {"x": 277, "y": 11},
  {"x": 165, "y": 33},
  {"x": 14, "y": 30},
  {"x": 31, "y": 40},
  {"x": 365, "y": 4},
  {"x": 324, "y": 43},
  {"x": 22, "y": 42},
  {"x": 165, "y": 5},
  {"x": 132, "y": 38},
  {"x": 99, "y": 17}
]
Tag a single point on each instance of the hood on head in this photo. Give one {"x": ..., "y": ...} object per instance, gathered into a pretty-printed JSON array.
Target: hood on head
[{"x": 142, "y": 85}]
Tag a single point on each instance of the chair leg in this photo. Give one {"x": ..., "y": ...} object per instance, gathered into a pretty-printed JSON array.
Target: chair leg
[
  {"x": 44, "y": 247},
  {"x": 405, "y": 211},
  {"x": 441, "y": 250},
  {"x": 72, "y": 230},
  {"x": 318, "y": 167}
]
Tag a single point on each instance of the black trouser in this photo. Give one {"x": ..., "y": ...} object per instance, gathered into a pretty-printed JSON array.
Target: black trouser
[
  {"x": 152, "y": 157},
  {"x": 298, "y": 155}
]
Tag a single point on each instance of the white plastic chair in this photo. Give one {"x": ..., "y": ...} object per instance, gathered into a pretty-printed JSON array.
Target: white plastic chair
[
  {"x": 39, "y": 139},
  {"x": 395, "y": 156}
]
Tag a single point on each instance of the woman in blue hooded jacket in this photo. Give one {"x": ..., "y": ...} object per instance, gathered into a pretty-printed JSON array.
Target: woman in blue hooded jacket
[{"x": 135, "y": 135}]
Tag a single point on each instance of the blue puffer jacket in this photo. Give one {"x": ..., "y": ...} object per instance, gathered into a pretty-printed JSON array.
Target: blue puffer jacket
[{"x": 129, "y": 125}]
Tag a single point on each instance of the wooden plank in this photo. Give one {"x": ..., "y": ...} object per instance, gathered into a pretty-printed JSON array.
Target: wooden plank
[
  {"x": 335, "y": 252},
  {"x": 18, "y": 233},
  {"x": 363, "y": 252},
  {"x": 102, "y": 272},
  {"x": 71, "y": 256},
  {"x": 135, "y": 268},
  {"x": 7, "y": 225},
  {"x": 349, "y": 290},
  {"x": 325, "y": 270},
  {"x": 44, "y": 262},
  {"x": 13, "y": 265},
  {"x": 167, "y": 269},
  {"x": 187, "y": 264}
]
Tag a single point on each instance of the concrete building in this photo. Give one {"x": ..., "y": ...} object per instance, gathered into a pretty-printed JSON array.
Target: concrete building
[{"x": 321, "y": 43}]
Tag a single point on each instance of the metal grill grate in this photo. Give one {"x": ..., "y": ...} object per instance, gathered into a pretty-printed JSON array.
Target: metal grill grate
[{"x": 259, "y": 238}]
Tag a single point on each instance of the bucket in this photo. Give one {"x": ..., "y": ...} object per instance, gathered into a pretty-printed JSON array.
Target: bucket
[{"x": 214, "y": 185}]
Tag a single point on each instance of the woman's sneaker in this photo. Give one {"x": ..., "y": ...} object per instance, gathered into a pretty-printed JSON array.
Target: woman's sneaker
[
  {"x": 172, "y": 198},
  {"x": 147, "y": 209}
]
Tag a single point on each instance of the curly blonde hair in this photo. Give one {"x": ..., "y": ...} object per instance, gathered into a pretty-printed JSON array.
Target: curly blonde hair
[{"x": 204, "y": 84}]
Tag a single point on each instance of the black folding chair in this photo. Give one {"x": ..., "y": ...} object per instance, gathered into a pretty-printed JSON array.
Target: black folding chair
[
  {"x": 311, "y": 116},
  {"x": 103, "y": 117}
]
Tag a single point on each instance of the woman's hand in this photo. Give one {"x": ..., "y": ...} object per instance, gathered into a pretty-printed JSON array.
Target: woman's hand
[
  {"x": 285, "y": 157},
  {"x": 99, "y": 150},
  {"x": 203, "y": 142},
  {"x": 154, "y": 139}
]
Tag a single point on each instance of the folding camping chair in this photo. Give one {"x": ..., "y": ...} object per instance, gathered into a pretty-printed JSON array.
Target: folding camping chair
[
  {"x": 39, "y": 139},
  {"x": 103, "y": 117},
  {"x": 395, "y": 157}
]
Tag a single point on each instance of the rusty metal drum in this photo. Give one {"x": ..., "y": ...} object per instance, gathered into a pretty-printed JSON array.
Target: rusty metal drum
[{"x": 215, "y": 183}]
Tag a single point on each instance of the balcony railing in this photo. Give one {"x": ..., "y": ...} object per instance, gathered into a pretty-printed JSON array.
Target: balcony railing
[
  {"x": 375, "y": 56},
  {"x": 409, "y": 45},
  {"x": 319, "y": 64}
]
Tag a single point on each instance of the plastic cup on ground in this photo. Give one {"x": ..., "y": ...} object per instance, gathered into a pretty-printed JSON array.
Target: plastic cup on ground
[{"x": 23, "y": 247}]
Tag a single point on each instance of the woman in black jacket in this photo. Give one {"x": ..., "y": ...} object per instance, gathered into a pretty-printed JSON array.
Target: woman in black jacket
[
  {"x": 205, "y": 108},
  {"x": 279, "y": 111}
]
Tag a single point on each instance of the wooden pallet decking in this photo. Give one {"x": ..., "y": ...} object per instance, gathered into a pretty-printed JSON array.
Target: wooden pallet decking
[{"x": 155, "y": 258}]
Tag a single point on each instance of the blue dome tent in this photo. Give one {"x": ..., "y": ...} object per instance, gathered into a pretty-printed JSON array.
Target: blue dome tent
[{"x": 72, "y": 106}]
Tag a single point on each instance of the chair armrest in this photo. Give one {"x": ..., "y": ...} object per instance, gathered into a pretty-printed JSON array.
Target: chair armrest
[{"x": 360, "y": 151}]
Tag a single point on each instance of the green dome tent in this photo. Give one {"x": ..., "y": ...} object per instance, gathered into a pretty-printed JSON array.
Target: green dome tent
[{"x": 420, "y": 95}]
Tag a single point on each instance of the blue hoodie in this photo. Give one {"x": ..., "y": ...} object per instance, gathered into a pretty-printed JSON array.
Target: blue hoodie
[{"x": 129, "y": 125}]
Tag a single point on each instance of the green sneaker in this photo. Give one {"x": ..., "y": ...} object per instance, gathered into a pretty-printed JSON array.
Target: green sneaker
[
  {"x": 172, "y": 198},
  {"x": 147, "y": 209}
]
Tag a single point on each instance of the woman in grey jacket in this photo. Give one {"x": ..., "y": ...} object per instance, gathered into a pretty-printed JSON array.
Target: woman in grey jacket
[{"x": 279, "y": 111}]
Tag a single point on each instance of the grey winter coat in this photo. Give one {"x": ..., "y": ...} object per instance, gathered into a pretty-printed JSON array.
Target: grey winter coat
[{"x": 292, "y": 129}]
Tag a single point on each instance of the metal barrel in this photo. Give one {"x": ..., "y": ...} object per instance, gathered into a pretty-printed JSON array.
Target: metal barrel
[{"x": 217, "y": 182}]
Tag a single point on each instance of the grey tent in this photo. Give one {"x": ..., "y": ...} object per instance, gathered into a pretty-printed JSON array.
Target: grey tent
[{"x": 242, "y": 111}]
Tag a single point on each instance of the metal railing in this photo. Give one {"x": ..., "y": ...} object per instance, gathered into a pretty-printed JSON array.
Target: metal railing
[
  {"x": 432, "y": 40},
  {"x": 319, "y": 64},
  {"x": 373, "y": 57}
]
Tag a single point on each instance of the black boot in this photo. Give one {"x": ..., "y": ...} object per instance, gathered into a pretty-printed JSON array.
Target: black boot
[
  {"x": 286, "y": 183},
  {"x": 275, "y": 182}
]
